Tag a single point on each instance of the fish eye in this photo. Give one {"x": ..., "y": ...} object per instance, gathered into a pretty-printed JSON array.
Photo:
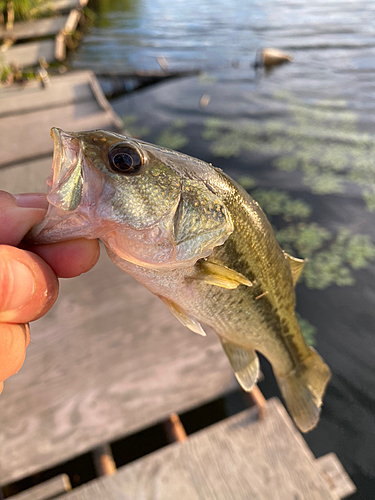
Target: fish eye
[{"x": 125, "y": 159}]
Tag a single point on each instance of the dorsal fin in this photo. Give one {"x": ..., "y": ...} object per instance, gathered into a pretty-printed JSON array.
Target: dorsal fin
[
  {"x": 296, "y": 266},
  {"x": 185, "y": 318},
  {"x": 219, "y": 275}
]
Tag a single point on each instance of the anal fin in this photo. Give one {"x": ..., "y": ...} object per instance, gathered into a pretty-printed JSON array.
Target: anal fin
[
  {"x": 185, "y": 318},
  {"x": 245, "y": 364},
  {"x": 218, "y": 275}
]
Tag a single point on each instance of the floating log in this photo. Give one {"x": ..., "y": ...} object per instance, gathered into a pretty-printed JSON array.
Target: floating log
[{"x": 115, "y": 84}]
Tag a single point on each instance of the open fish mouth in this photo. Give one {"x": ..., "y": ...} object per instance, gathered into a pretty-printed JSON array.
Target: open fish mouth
[
  {"x": 65, "y": 192},
  {"x": 66, "y": 183}
]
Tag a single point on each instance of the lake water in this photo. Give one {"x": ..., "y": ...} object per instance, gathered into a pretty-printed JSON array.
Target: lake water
[{"x": 301, "y": 139}]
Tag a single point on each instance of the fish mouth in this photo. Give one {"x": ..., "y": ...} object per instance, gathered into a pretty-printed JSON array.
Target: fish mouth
[
  {"x": 66, "y": 183},
  {"x": 65, "y": 188}
]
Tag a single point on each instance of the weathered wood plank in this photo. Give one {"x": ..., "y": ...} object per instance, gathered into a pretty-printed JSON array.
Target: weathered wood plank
[
  {"x": 47, "y": 490},
  {"x": 65, "y": 89},
  {"x": 34, "y": 29},
  {"x": 28, "y": 54},
  {"x": 15, "y": 131},
  {"x": 65, "y": 5},
  {"x": 108, "y": 359},
  {"x": 27, "y": 177},
  {"x": 337, "y": 478},
  {"x": 239, "y": 458}
]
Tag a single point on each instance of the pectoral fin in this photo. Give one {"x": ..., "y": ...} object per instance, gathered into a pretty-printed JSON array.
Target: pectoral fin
[
  {"x": 187, "y": 320},
  {"x": 218, "y": 275},
  {"x": 296, "y": 266},
  {"x": 245, "y": 364}
]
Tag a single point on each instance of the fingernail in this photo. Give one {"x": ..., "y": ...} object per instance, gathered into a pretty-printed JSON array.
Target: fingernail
[
  {"x": 20, "y": 287},
  {"x": 31, "y": 200}
]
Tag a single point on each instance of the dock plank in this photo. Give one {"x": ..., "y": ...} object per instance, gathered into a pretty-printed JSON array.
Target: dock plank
[
  {"x": 337, "y": 478},
  {"x": 75, "y": 103},
  {"x": 35, "y": 29},
  {"x": 28, "y": 177},
  {"x": 13, "y": 131},
  {"x": 65, "y": 89},
  {"x": 108, "y": 360},
  {"x": 239, "y": 458},
  {"x": 28, "y": 54},
  {"x": 65, "y": 5}
]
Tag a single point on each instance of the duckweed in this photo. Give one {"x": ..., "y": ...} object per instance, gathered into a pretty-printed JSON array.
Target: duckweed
[
  {"x": 247, "y": 182},
  {"x": 307, "y": 329},
  {"x": 131, "y": 128},
  {"x": 275, "y": 202},
  {"x": 319, "y": 139},
  {"x": 172, "y": 138}
]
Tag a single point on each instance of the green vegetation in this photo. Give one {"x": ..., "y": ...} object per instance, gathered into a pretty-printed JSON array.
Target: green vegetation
[
  {"x": 332, "y": 258},
  {"x": 307, "y": 329},
  {"x": 320, "y": 140},
  {"x": 275, "y": 202},
  {"x": 247, "y": 182},
  {"x": 172, "y": 137},
  {"x": 131, "y": 128},
  {"x": 19, "y": 10}
]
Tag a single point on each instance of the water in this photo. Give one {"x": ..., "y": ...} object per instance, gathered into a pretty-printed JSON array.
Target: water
[{"x": 301, "y": 139}]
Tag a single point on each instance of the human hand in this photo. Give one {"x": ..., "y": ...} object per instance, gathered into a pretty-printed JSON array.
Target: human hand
[{"x": 28, "y": 280}]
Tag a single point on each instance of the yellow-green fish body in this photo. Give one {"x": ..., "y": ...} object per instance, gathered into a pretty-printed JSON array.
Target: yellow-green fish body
[{"x": 196, "y": 239}]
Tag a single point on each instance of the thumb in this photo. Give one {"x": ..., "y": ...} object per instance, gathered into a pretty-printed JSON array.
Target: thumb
[{"x": 28, "y": 286}]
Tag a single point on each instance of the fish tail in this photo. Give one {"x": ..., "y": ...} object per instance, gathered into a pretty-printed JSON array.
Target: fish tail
[{"x": 303, "y": 390}]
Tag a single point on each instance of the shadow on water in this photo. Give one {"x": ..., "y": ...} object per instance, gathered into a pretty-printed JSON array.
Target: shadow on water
[{"x": 301, "y": 139}]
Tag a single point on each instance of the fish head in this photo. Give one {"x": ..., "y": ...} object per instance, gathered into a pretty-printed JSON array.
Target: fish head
[{"x": 149, "y": 205}]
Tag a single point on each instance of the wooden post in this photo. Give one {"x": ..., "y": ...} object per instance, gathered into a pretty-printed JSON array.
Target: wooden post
[
  {"x": 174, "y": 429},
  {"x": 103, "y": 460},
  {"x": 60, "y": 47},
  {"x": 256, "y": 398}
]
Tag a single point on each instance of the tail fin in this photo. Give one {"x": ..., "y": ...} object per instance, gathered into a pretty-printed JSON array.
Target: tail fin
[{"x": 303, "y": 390}]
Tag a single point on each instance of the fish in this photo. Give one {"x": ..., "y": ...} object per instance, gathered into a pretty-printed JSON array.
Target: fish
[{"x": 196, "y": 239}]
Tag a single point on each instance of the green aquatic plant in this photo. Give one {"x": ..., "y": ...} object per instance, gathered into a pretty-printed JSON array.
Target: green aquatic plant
[
  {"x": 22, "y": 10},
  {"x": 319, "y": 139},
  {"x": 247, "y": 182},
  {"x": 131, "y": 128},
  {"x": 307, "y": 329},
  {"x": 331, "y": 258},
  {"x": 172, "y": 137},
  {"x": 275, "y": 202}
]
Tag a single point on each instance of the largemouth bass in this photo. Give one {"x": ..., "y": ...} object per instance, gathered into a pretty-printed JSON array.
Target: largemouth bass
[{"x": 197, "y": 240}]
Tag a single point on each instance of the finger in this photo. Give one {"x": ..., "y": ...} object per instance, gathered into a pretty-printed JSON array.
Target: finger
[
  {"x": 32, "y": 200},
  {"x": 13, "y": 342},
  {"x": 69, "y": 258},
  {"x": 28, "y": 286},
  {"x": 15, "y": 220}
]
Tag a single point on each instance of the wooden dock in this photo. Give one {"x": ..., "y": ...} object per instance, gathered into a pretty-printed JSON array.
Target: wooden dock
[
  {"x": 71, "y": 102},
  {"x": 30, "y": 41},
  {"x": 239, "y": 458},
  {"x": 110, "y": 360}
]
